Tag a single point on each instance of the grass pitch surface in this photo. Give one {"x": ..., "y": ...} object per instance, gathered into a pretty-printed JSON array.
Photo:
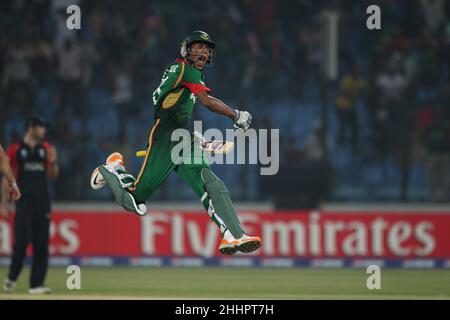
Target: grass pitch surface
[{"x": 234, "y": 283}]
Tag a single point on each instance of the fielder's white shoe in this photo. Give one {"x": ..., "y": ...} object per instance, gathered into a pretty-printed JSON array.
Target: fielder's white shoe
[
  {"x": 9, "y": 286},
  {"x": 39, "y": 290}
]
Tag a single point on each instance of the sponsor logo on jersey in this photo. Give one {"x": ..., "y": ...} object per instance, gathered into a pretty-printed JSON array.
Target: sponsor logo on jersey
[{"x": 34, "y": 166}]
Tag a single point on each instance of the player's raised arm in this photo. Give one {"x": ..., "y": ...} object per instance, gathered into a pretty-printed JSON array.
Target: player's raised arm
[
  {"x": 241, "y": 119},
  {"x": 216, "y": 105}
]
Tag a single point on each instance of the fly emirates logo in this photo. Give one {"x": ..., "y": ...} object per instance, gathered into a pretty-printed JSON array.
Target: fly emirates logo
[
  {"x": 313, "y": 235},
  {"x": 306, "y": 234}
]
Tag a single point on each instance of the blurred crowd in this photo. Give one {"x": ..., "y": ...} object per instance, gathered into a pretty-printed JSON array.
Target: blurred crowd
[
  {"x": 391, "y": 100},
  {"x": 403, "y": 85}
]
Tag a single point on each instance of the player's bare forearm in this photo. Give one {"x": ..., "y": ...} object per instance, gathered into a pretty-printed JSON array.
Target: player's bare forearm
[{"x": 216, "y": 105}]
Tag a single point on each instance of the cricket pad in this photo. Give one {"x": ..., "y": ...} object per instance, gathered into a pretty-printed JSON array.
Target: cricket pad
[{"x": 221, "y": 201}]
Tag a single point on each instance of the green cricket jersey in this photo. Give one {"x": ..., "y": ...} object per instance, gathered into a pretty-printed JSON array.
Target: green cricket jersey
[{"x": 175, "y": 97}]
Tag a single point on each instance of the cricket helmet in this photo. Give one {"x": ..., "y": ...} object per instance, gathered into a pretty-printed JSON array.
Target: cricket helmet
[{"x": 198, "y": 37}]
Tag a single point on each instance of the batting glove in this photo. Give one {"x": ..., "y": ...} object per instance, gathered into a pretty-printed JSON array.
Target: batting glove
[{"x": 242, "y": 120}]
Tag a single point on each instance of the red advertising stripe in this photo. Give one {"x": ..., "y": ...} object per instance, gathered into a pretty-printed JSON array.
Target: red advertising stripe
[
  {"x": 389, "y": 235},
  {"x": 285, "y": 234}
]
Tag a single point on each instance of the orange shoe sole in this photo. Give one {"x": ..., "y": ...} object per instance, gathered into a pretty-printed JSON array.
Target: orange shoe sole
[
  {"x": 228, "y": 248},
  {"x": 246, "y": 246},
  {"x": 113, "y": 157}
]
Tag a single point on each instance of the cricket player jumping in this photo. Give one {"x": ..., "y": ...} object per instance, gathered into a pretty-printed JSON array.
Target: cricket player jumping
[{"x": 181, "y": 85}]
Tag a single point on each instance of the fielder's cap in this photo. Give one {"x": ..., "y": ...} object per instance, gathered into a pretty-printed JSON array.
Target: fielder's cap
[{"x": 36, "y": 121}]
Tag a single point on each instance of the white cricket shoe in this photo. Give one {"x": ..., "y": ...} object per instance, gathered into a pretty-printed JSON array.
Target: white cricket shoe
[
  {"x": 39, "y": 290},
  {"x": 245, "y": 244},
  {"x": 97, "y": 180},
  {"x": 9, "y": 286},
  {"x": 115, "y": 161}
]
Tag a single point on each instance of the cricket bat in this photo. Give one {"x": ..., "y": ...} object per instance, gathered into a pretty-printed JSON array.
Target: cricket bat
[{"x": 212, "y": 146}]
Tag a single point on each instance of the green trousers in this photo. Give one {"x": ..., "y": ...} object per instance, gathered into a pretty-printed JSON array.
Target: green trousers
[{"x": 158, "y": 165}]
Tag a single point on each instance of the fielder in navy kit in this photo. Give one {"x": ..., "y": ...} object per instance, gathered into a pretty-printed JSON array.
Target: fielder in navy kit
[{"x": 33, "y": 161}]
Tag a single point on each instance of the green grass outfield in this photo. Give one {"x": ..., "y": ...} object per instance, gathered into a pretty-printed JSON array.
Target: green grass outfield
[{"x": 234, "y": 283}]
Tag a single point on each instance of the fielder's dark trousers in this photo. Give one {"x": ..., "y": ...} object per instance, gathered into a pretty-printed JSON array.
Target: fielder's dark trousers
[{"x": 31, "y": 225}]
